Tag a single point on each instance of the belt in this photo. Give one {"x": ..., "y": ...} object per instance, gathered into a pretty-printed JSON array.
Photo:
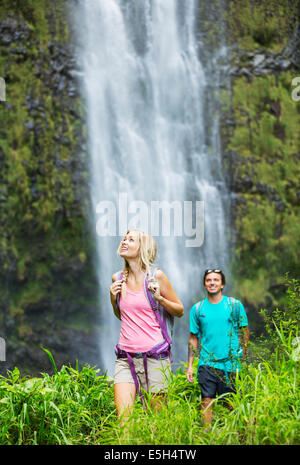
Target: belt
[{"x": 157, "y": 352}]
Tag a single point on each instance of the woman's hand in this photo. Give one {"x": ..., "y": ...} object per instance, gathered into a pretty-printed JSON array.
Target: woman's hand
[
  {"x": 154, "y": 287},
  {"x": 164, "y": 293},
  {"x": 115, "y": 288}
]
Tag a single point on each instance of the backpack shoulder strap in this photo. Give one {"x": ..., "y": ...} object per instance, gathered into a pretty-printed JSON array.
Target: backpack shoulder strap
[
  {"x": 162, "y": 320},
  {"x": 120, "y": 276},
  {"x": 199, "y": 306},
  {"x": 152, "y": 272},
  {"x": 233, "y": 304}
]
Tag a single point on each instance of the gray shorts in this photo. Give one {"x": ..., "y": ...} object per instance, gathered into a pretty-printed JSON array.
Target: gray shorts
[{"x": 158, "y": 371}]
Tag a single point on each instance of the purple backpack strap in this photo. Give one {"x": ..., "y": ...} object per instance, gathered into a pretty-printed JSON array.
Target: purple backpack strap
[
  {"x": 118, "y": 295},
  {"x": 157, "y": 351},
  {"x": 123, "y": 354},
  {"x": 133, "y": 372},
  {"x": 155, "y": 306}
]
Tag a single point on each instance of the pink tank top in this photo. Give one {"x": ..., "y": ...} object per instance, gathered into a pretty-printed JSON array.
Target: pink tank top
[{"x": 140, "y": 330}]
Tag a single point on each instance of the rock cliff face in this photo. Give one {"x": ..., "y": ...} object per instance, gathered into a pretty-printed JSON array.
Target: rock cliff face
[
  {"x": 261, "y": 147},
  {"x": 48, "y": 291},
  {"x": 260, "y": 140},
  {"x": 48, "y": 294}
]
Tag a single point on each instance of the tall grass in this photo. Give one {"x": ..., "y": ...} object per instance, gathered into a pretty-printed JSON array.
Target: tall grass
[
  {"x": 77, "y": 406},
  {"x": 265, "y": 410},
  {"x": 69, "y": 407}
]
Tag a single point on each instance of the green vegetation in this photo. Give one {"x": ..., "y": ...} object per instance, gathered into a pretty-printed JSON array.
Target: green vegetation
[
  {"x": 67, "y": 408},
  {"x": 266, "y": 141},
  {"x": 76, "y": 406},
  {"x": 261, "y": 24},
  {"x": 45, "y": 245}
]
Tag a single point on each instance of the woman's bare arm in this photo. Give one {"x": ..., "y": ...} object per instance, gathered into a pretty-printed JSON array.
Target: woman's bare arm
[
  {"x": 115, "y": 288},
  {"x": 165, "y": 294}
]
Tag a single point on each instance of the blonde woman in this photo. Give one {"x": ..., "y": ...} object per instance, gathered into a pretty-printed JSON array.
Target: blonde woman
[{"x": 143, "y": 351}]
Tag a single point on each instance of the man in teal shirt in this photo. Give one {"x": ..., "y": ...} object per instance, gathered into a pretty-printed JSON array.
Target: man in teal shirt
[{"x": 216, "y": 322}]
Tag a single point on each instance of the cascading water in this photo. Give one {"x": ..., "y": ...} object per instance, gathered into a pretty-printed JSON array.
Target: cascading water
[{"x": 147, "y": 97}]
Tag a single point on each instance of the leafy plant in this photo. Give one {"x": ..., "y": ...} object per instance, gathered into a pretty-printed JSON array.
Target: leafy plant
[
  {"x": 283, "y": 323},
  {"x": 67, "y": 408}
]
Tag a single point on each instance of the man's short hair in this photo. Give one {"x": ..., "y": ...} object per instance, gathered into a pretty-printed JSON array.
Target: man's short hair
[{"x": 206, "y": 272}]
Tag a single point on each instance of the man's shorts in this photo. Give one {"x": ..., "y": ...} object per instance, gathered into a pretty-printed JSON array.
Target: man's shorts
[
  {"x": 213, "y": 381},
  {"x": 157, "y": 373}
]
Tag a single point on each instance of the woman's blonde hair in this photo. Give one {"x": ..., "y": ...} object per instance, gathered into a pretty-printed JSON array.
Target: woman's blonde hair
[{"x": 148, "y": 251}]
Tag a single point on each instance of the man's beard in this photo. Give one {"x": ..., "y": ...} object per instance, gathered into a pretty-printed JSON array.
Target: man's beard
[{"x": 214, "y": 292}]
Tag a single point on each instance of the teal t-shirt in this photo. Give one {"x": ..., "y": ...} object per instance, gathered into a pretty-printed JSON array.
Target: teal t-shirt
[{"x": 217, "y": 327}]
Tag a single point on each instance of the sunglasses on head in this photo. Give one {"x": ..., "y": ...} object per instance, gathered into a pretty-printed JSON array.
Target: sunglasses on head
[{"x": 212, "y": 271}]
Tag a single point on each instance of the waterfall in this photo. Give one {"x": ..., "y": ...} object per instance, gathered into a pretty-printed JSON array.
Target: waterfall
[{"x": 153, "y": 139}]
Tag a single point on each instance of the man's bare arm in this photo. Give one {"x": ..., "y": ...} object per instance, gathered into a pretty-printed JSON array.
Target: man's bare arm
[
  {"x": 245, "y": 340},
  {"x": 192, "y": 352}
]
